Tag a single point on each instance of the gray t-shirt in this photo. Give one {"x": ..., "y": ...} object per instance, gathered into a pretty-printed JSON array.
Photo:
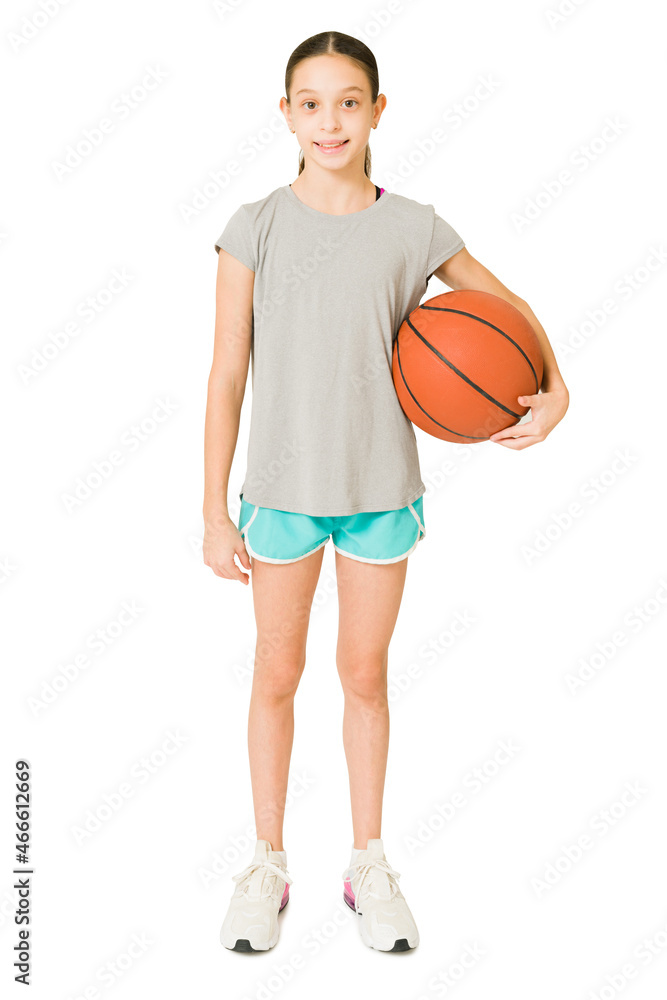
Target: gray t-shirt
[{"x": 328, "y": 436}]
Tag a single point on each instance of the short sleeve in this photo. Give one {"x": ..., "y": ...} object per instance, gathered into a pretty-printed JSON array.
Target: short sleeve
[
  {"x": 236, "y": 238},
  {"x": 445, "y": 242}
]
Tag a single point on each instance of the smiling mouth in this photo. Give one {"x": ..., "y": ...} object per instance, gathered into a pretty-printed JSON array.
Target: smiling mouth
[{"x": 332, "y": 145}]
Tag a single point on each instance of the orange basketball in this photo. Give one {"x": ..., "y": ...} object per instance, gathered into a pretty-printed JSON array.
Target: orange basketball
[{"x": 459, "y": 362}]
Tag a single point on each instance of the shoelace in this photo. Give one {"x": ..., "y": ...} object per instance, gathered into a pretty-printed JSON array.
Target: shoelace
[
  {"x": 270, "y": 868},
  {"x": 365, "y": 869}
]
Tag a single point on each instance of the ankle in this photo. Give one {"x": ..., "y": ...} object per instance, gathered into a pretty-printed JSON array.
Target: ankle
[
  {"x": 276, "y": 845},
  {"x": 361, "y": 845}
]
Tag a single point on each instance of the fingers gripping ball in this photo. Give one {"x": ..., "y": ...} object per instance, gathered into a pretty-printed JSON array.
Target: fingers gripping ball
[{"x": 460, "y": 360}]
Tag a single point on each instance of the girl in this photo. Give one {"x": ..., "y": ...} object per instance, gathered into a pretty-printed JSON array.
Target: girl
[{"x": 314, "y": 281}]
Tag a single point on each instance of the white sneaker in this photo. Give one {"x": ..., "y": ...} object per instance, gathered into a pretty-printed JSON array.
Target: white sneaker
[
  {"x": 371, "y": 890},
  {"x": 251, "y": 923}
]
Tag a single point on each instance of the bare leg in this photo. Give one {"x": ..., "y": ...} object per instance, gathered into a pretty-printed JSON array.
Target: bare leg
[
  {"x": 282, "y": 598},
  {"x": 369, "y": 598}
]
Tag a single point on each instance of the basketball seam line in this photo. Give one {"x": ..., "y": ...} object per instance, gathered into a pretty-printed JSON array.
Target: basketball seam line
[
  {"x": 405, "y": 383},
  {"x": 462, "y": 312},
  {"x": 462, "y": 374}
]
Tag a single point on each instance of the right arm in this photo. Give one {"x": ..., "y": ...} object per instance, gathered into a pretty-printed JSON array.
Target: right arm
[{"x": 226, "y": 389}]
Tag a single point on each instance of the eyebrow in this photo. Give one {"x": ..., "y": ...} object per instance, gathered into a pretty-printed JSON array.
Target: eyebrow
[{"x": 307, "y": 90}]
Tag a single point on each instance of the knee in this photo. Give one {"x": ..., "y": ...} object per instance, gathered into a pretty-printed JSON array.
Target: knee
[
  {"x": 365, "y": 679},
  {"x": 278, "y": 676}
]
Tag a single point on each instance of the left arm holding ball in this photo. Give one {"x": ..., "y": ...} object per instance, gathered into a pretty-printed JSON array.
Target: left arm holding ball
[{"x": 548, "y": 406}]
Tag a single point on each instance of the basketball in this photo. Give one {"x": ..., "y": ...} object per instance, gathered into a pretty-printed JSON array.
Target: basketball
[{"x": 460, "y": 360}]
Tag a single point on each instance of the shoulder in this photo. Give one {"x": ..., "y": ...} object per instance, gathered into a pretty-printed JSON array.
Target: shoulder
[
  {"x": 410, "y": 211},
  {"x": 409, "y": 204},
  {"x": 246, "y": 230},
  {"x": 255, "y": 211}
]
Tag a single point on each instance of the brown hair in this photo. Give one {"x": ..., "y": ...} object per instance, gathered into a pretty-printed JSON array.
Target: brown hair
[{"x": 327, "y": 42}]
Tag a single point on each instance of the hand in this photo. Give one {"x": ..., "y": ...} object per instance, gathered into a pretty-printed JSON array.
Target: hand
[
  {"x": 547, "y": 408},
  {"x": 222, "y": 540}
]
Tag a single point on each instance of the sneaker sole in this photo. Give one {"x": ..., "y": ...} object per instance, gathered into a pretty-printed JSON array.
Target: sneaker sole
[
  {"x": 242, "y": 944},
  {"x": 401, "y": 944}
]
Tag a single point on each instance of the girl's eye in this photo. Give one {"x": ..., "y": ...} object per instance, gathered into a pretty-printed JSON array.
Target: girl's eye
[{"x": 346, "y": 101}]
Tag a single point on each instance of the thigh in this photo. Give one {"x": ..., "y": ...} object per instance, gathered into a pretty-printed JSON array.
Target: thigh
[
  {"x": 282, "y": 598},
  {"x": 369, "y": 598}
]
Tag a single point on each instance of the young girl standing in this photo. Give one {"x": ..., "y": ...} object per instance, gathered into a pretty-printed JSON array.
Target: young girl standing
[{"x": 313, "y": 284}]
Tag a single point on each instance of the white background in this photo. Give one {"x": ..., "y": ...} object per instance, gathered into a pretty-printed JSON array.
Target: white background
[{"x": 154, "y": 869}]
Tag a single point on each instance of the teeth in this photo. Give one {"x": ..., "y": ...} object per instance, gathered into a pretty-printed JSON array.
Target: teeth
[{"x": 331, "y": 145}]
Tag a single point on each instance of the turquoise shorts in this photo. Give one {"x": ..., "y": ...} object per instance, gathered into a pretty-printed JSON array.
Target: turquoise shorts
[{"x": 282, "y": 536}]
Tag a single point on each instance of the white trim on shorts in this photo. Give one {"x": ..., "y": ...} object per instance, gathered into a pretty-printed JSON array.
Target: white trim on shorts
[
  {"x": 395, "y": 558},
  {"x": 251, "y": 551},
  {"x": 421, "y": 526},
  {"x": 404, "y": 555},
  {"x": 298, "y": 558}
]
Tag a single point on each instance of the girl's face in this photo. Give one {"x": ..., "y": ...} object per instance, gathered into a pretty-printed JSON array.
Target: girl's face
[{"x": 331, "y": 110}]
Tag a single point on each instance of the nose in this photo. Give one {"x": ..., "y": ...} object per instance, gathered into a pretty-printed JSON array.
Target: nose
[{"x": 329, "y": 122}]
